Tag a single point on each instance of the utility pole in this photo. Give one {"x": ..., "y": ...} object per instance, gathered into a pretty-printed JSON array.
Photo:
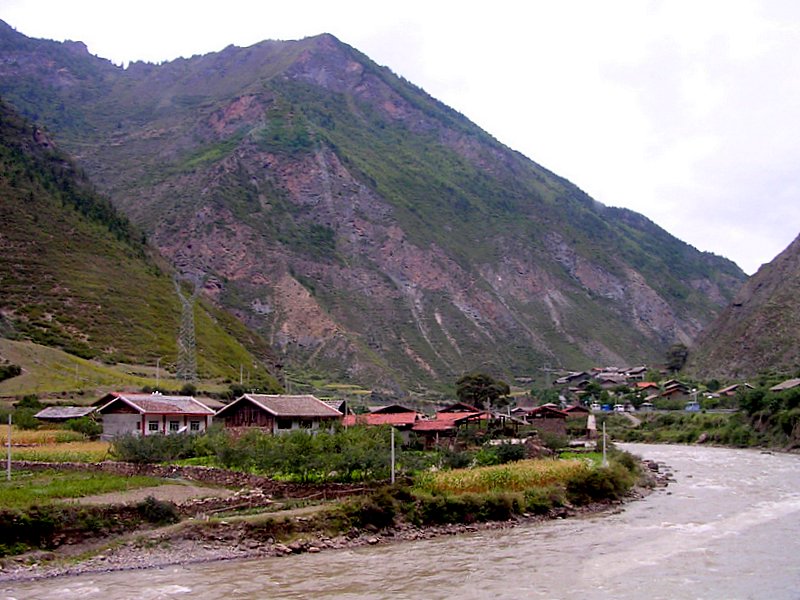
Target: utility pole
[{"x": 392, "y": 431}]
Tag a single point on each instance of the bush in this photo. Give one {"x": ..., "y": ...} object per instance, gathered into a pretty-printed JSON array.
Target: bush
[
  {"x": 595, "y": 485},
  {"x": 9, "y": 371},
  {"x": 158, "y": 512},
  {"x": 85, "y": 425},
  {"x": 24, "y": 418},
  {"x": 152, "y": 448}
]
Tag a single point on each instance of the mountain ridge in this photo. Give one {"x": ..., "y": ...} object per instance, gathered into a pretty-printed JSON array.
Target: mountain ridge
[
  {"x": 760, "y": 330},
  {"x": 364, "y": 227}
]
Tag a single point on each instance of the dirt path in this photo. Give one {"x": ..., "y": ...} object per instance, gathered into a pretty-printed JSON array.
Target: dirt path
[{"x": 177, "y": 492}]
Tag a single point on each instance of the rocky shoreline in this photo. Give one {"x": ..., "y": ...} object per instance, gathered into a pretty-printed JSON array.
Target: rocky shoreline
[{"x": 193, "y": 542}]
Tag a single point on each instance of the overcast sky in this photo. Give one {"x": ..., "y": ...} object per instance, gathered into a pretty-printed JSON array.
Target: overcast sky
[{"x": 685, "y": 111}]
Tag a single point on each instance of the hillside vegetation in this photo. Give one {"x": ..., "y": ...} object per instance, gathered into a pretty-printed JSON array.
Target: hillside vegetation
[
  {"x": 76, "y": 275},
  {"x": 760, "y": 330}
]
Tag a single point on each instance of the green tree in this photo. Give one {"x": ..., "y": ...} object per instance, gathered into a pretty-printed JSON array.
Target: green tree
[
  {"x": 676, "y": 357},
  {"x": 482, "y": 390}
]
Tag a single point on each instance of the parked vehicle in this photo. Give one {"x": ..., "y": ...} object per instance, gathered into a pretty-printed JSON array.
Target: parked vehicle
[
  {"x": 692, "y": 407},
  {"x": 619, "y": 408},
  {"x": 595, "y": 407}
]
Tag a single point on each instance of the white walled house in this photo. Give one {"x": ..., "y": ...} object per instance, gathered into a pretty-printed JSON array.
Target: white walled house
[{"x": 148, "y": 414}]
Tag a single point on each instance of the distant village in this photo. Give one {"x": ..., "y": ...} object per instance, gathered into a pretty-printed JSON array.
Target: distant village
[{"x": 581, "y": 394}]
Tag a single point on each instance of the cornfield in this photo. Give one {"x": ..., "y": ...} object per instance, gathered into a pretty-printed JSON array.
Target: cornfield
[
  {"x": 512, "y": 477},
  {"x": 64, "y": 452},
  {"x": 28, "y": 437}
]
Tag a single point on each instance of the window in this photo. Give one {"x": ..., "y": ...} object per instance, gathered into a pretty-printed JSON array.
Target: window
[
  {"x": 194, "y": 426},
  {"x": 174, "y": 425},
  {"x": 152, "y": 426},
  {"x": 284, "y": 423}
]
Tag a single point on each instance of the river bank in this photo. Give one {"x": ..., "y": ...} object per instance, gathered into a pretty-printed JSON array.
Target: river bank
[{"x": 199, "y": 541}]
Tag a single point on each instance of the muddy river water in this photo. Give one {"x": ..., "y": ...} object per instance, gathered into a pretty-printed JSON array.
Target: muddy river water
[{"x": 728, "y": 528}]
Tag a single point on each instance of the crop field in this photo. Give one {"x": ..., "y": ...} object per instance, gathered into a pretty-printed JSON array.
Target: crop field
[
  {"x": 30, "y": 437},
  {"x": 28, "y": 488},
  {"x": 512, "y": 477},
  {"x": 63, "y": 452}
]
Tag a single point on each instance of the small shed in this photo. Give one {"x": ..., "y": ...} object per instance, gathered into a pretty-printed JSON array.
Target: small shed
[
  {"x": 62, "y": 414},
  {"x": 277, "y": 414}
]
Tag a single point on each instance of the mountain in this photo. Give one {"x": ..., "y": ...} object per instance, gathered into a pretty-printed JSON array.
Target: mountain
[
  {"x": 760, "y": 330},
  {"x": 76, "y": 275},
  {"x": 361, "y": 226}
]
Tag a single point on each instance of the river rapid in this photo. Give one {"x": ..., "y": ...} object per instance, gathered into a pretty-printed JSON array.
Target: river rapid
[{"x": 727, "y": 528}]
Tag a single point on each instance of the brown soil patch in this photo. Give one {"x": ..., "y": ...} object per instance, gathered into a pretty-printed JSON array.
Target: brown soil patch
[{"x": 170, "y": 492}]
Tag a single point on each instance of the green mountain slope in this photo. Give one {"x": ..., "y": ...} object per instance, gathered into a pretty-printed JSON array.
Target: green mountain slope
[
  {"x": 360, "y": 225},
  {"x": 760, "y": 330},
  {"x": 77, "y": 276}
]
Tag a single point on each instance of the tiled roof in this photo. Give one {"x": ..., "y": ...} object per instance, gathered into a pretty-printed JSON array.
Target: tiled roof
[
  {"x": 381, "y": 419},
  {"x": 547, "y": 410},
  {"x": 391, "y": 408},
  {"x": 434, "y": 425},
  {"x": 289, "y": 406},
  {"x": 785, "y": 385},
  {"x": 64, "y": 412},
  {"x": 457, "y": 417},
  {"x": 160, "y": 404},
  {"x": 458, "y": 407}
]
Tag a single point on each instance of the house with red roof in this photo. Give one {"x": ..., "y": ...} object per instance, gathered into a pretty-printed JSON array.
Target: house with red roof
[
  {"x": 148, "y": 414},
  {"x": 395, "y": 415},
  {"x": 278, "y": 413}
]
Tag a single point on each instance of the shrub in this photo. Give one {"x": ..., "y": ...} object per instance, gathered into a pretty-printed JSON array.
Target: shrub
[
  {"x": 159, "y": 512},
  {"x": 85, "y": 425},
  {"x": 9, "y": 371},
  {"x": 24, "y": 418},
  {"x": 152, "y": 448},
  {"x": 594, "y": 485}
]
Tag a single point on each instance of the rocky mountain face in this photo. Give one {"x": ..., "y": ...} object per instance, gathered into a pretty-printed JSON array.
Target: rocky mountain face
[
  {"x": 760, "y": 330},
  {"x": 362, "y": 227}
]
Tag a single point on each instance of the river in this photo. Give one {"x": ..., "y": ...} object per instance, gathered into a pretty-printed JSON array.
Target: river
[{"x": 728, "y": 528}]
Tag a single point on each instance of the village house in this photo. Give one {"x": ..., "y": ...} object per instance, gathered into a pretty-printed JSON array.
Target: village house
[
  {"x": 636, "y": 374},
  {"x": 148, "y": 414},
  {"x": 395, "y": 415},
  {"x": 548, "y": 418},
  {"x": 278, "y": 414},
  {"x": 443, "y": 428},
  {"x": 789, "y": 384},
  {"x": 731, "y": 390}
]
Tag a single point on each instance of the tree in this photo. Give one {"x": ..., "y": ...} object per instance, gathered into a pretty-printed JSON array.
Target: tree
[
  {"x": 676, "y": 357},
  {"x": 481, "y": 390}
]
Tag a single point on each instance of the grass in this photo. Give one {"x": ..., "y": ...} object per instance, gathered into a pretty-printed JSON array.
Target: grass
[
  {"x": 512, "y": 477},
  {"x": 27, "y": 489},
  {"x": 66, "y": 452}
]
